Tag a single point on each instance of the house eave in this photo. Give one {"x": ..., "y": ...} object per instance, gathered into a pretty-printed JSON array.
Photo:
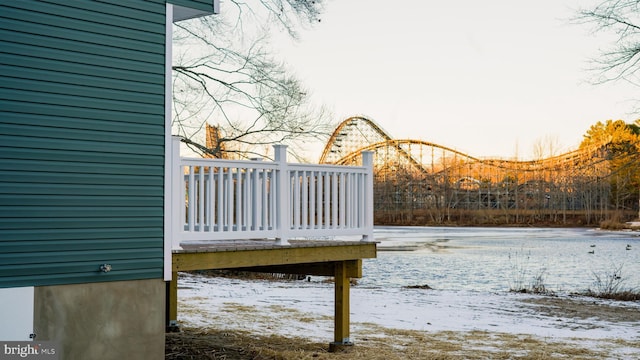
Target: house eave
[{"x": 181, "y": 13}]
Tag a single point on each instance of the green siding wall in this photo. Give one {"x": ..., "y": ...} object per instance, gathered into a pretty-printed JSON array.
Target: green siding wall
[{"x": 81, "y": 140}]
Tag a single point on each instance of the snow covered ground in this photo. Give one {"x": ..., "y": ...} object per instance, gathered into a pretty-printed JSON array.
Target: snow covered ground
[
  {"x": 301, "y": 308},
  {"x": 471, "y": 269}
]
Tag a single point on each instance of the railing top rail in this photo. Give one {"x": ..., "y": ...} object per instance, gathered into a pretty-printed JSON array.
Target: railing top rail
[
  {"x": 348, "y": 168},
  {"x": 188, "y": 161},
  {"x": 227, "y": 162}
]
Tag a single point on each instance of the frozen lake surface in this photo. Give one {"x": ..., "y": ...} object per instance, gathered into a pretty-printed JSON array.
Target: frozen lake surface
[
  {"x": 470, "y": 269},
  {"x": 495, "y": 259}
]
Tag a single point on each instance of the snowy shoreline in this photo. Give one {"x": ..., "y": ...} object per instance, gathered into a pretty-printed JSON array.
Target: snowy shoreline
[
  {"x": 306, "y": 309},
  {"x": 471, "y": 271}
]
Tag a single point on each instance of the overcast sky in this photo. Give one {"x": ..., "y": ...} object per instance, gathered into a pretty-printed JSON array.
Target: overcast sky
[{"x": 490, "y": 78}]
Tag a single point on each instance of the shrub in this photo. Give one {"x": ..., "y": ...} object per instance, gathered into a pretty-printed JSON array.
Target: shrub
[
  {"x": 521, "y": 282},
  {"x": 519, "y": 269},
  {"x": 612, "y": 225},
  {"x": 611, "y": 286}
]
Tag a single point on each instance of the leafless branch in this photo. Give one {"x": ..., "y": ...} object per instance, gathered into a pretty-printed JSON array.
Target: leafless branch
[
  {"x": 227, "y": 78},
  {"x": 622, "y": 18}
]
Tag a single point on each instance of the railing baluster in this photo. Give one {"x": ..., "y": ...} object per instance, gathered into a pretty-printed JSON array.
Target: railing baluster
[
  {"x": 200, "y": 199},
  {"x": 353, "y": 214},
  {"x": 265, "y": 202},
  {"x": 296, "y": 199},
  {"x": 272, "y": 201},
  {"x": 210, "y": 199},
  {"x": 321, "y": 198},
  {"x": 327, "y": 200},
  {"x": 342, "y": 201},
  {"x": 334, "y": 200},
  {"x": 312, "y": 199},
  {"x": 361, "y": 202},
  {"x": 255, "y": 199},
  {"x": 234, "y": 200},
  {"x": 246, "y": 214},
  {"x": 304, "y": 200},
  {"x": 220, "y": 199},
  {"x": 229, "y": 199},
  {"x": 191, "y": 200},
  {"x": 348, "y": 198},
  {"x": 238, "y": 202}
]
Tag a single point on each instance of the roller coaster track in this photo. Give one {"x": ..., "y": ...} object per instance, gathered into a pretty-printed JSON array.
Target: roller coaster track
[
  {"x": 418, "y": 175},
  {"x": 351, "y": 135},
  {"x": 359, "y": 133}
]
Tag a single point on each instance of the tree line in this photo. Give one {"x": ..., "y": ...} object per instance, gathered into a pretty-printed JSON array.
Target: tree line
[{"x": 599, "y": 181}]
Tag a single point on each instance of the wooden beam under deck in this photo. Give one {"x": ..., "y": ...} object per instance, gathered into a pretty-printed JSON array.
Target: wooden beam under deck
[
  {"x": 353, "y": 268},
  {"x": 241, "y": 254},
  {"x": 340, "y": 259}
]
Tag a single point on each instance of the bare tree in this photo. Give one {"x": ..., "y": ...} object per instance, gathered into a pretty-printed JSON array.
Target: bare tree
[
  {"x": 546, "y": 147},
  {"x": 225, "y": 76},
  {"x": 622, "y": 18},
  {"x": 620, "y": 62}
]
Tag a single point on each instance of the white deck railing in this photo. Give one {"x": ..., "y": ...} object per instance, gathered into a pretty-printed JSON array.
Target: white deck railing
[{"x": 215, "y": 199}]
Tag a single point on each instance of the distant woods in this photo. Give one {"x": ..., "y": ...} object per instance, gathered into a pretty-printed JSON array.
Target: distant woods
[
  {"x": 432, "y": 185},
  {"x": 597, "y": 183}
]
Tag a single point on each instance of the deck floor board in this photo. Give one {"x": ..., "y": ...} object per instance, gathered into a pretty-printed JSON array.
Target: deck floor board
[{"x": 260, "y": 244}]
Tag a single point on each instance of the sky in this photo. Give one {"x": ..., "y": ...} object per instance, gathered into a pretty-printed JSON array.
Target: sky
[{"x": 489, "y": 78}]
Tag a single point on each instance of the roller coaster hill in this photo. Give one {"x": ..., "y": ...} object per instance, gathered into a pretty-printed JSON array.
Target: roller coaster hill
[{"x": 422, "y": 183}]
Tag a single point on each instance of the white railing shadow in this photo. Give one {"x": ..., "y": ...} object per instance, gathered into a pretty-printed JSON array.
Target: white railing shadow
[{"x": 214, "y": 199}]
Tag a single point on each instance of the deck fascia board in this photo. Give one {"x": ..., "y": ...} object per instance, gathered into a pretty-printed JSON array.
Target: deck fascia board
[{"x": 233, "y": 255}]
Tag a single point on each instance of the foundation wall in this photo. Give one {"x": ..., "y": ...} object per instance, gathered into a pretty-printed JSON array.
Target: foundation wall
[{"x": 109, "y": 320}]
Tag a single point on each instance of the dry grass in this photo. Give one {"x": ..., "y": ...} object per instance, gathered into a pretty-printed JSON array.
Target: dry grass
[
  {"x": 378, "y": 342},
  {"x": 244, "y": 332},
  {"x": 622, "y": 295},
  {"x": 381, "y": 343},
  {"x": 582, "y": 309},
  {"x": 495, "y": 217},
  {"x": 613, "y": 225}
]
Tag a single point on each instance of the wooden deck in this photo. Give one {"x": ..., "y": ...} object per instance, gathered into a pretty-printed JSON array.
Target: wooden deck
[
  {"x": 339, "y": 259},
  {"x": 247, "y": 215}
]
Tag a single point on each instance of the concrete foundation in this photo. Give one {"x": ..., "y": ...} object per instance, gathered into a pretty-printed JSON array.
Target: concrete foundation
[{"x": 111, "y": 320}]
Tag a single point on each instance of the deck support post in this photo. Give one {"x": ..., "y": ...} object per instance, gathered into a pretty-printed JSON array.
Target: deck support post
[
  {"x": 342, "y": 287},
  {"x": 172, "y": 304}
]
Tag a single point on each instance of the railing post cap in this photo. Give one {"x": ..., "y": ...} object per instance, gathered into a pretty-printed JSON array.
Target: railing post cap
[{"x": 280, "y": 152}]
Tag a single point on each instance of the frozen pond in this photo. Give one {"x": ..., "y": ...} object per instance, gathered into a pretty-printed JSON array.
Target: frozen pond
[
  {"x": 495, "y": 259},
  {"x": 471, "y": 270}
]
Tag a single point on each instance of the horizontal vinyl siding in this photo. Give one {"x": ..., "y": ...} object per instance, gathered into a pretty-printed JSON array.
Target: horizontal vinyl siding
[{"x": 81, "y": 141}]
